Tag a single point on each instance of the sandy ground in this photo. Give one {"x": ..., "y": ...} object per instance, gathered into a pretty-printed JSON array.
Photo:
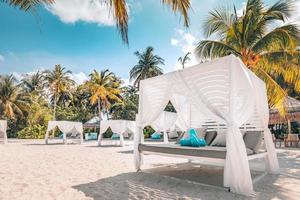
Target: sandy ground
[{"x": 32, "y": 170}]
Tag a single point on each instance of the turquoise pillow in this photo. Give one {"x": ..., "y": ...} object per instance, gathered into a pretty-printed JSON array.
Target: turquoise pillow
[
  {"x": 185, "y": 142},
  {"x": 115, "y": 136},
  {"x": 155, "y": 136},
  {"x": 193, "y": 140}
]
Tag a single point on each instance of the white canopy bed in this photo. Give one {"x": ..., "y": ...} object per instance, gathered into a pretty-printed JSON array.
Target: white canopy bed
[
  {"x": 3, "y": 128},
  {"x": 164, "y": 123},
  {"x": 121, "y": 127},
  {"x": 65, "y": 127},
  {"x": 219, "y": 95}
]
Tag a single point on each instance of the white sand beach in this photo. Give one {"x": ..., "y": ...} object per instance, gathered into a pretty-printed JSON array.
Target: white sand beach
[{"x": 31, "y": 170}]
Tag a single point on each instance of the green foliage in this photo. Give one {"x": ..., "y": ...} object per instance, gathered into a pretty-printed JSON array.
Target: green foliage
[
  {"x": 127, "y": 109},
  {"x": 36, "y": 131},
  {"x": 148, "y": 131},
  {"x": 262, "y": 39},
  {"x": 148, "y": 66}
]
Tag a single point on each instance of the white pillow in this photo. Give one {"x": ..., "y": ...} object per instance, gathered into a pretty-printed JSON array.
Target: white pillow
[
  {"x": 173, "y": 134},
  {"x": 220, "y": 139}
]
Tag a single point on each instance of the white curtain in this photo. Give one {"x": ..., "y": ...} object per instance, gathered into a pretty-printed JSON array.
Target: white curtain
[
  {"x": 164, "y": 123},
  {"x": 262, "y": 106},
  {"x": 117, "y": 126},
  {"x": 3, "y": 128},
  {"x": 221, "y": 90},
  {"x": 65, "y": 127}
]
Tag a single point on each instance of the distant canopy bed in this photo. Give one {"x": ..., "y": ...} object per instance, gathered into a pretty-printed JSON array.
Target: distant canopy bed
[
  {"x": 164, "y": 123},
  {"x": 66, "y": 127},
  {"x": 218, "y": 95},
  {"x": 120, "y": 127},
  {"x": 3, "y": 129}
]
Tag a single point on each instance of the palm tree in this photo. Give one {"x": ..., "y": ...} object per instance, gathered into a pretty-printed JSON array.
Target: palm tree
[
  {"x": 118, "y": 7},
  {"x": 184, "y": 60},
  {"x": 147, "y": 67},
  {"x": 60, "y": 85},
  {"x": 13, "y": 103},
  {"x": 128, "y": 108},
  {"x": 104, "y": 89},
  {"x": 34, "y": 82},
  {"x": 266, "y": 50}
]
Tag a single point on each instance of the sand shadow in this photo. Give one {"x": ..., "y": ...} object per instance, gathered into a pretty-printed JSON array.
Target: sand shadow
[
  {"x": 126, "y": 152},
  {"x": 142, "y": 185}
]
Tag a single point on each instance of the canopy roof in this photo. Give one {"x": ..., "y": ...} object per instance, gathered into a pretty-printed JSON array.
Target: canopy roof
[
  {"x": 92, "y": 123},
  {"x": 3, "y": 128},
  {"x": 120, "y": 127},
  {"x": 222, "y": 92},
  {"x": 117, "y": 126},
  {"x": 292, "y": 106},
  {"x": 65, "y": 127}
]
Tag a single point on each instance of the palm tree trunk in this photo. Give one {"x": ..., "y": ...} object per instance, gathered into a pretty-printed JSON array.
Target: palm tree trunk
[
  {"x": 99, "y": 112},
  {"x": 54, "y": 108}
]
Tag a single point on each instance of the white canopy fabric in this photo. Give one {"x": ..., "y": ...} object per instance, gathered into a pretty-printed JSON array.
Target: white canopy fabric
[
  {"x": 65, "y": 127},
  {"x": 164, "y": 123},
  {"x": 3, "y": 128},
  {"x": 223, "y": 91},
  {"x": 120, "y": 127}
]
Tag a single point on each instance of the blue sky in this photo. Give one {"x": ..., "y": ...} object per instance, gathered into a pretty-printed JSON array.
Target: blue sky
[{"x": 81, "y": 36}]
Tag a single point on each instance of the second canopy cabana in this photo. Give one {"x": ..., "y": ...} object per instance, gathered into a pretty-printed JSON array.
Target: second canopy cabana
[
  {"x": 223, "y": 91},
  {"x": 120, "y": 127},
  {"x": 66, "y": 127},
  {"x": 3, "y": 128}
]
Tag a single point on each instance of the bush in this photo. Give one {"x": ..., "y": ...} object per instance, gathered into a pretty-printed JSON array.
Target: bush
[{"x": 32, "y": 132}]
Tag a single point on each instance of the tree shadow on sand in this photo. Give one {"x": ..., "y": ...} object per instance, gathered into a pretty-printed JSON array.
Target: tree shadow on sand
[{"x": 178, "y": 182}]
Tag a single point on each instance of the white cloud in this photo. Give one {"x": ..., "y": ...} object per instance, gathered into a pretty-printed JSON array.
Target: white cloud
[
  {"x": 174, "y": 42},
  {"x": 79, "y": 78},
  {"x": 1, "y": 58},
  {"x": 296, "y": 14},
  {"x": 92, "y": 11},
  {"x": 187, "y": 43},
  {"x": 240, "y": 11}
]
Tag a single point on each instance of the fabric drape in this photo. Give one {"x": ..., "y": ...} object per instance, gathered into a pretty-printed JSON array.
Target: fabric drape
[
  {"x": 222, "y": 91},
  {"x": 65, "y": 127},
  {"x": 117, "y": 126},
  {"x": 3, "y": 128}
]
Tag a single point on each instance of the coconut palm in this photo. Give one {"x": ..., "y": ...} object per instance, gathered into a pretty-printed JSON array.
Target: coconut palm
[
  {"x": 267, "y": 50},
  {"x": 34, "y": 82},
  {"x": 13, "y": 102},
  {"x": 60, "y": 85},
  {"x": 104, "y": 89},
  {"x": 147, "y": 67},
  {"x": 118, "y": 7},
  {"x": 128, "y": 108},
  {"x": 183, "y": 60}
]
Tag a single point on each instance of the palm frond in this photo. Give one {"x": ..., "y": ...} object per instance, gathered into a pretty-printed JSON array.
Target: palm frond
[
  {"x": 209, "y": 49},
  {"x": 27, "y": 5},
  {"x": 181, "y": 6}
]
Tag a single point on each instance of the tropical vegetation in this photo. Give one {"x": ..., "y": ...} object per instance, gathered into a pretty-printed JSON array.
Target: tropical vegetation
[
  {"x": 185, "y": 59},
  {"x": 262, "y": 37},
  {"x": 148, "y": 66}
]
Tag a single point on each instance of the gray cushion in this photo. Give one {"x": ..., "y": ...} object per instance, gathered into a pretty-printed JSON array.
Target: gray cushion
[
  {"x": 220, "y": 140},
  {"x": 253, "y": 139},
  {"x": 200, "y": 132},
  {"x": 180, "y": 136},
  {"x": 210, "y": 136}
]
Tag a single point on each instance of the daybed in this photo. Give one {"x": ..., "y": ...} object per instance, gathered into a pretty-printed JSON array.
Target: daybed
[
  {"x": 67, "y": 128},
  {"x": 3, "y": 128},
  {"x": 220, "y": 94},
  {"x": 120, "y": 127}
]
